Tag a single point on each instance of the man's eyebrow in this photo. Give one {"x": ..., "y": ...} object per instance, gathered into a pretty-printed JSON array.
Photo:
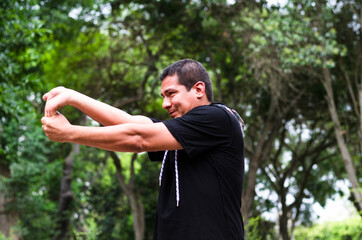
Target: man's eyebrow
[{"x": 167, "y": 91}]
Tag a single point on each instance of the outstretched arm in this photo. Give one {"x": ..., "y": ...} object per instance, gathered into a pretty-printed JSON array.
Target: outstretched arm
[
  {"x": 100, "y": 112},
  {"x": 130, "y": 137}
]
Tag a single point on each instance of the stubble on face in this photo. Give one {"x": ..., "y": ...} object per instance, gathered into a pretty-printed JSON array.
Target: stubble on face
[{"x": 176, "y": 99}]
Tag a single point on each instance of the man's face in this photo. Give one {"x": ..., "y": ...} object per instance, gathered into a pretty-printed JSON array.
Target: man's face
[{"x": 176, "y": 99}]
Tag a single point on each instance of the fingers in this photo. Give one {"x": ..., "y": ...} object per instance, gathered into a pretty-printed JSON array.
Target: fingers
[
  {"x": 45, "y": 96},
  {"x": 50, "y": 110},
  {"x": 53, "y": 122},
  {"x": 53, "y": 101},
  {"x": 44, "y": 120},
  {"x": 52, "y": 93},
  {"x": 55, "y": 127}
]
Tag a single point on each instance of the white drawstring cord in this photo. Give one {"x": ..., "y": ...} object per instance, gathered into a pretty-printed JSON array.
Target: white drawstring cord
[
  {"x": 176, "y": 176},
  {"x": 177, "y": 183},
  {"x": 161, "y": 171}
]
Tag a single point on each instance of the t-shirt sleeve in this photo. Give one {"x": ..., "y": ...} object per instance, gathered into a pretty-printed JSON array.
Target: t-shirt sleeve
[
  {"x": 155, "y": 156},
  {"x": 201, "y": 130}
]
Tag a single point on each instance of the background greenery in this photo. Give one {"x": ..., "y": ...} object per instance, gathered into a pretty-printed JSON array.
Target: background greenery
[{"x": 293, "y": 72}]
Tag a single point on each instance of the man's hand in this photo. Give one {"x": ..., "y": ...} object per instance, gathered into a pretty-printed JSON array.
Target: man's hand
[
  {"x": 57, "y": 128},
  {"x": 56, "y": 98}
]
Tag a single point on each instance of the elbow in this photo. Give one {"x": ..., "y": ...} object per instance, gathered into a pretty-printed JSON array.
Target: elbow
[
  {"x": 139, "y": 149},
  {"x": 134, "y": 139},
  {"x": 139, "y": 145},
  {"x": 133, "y": 144}
]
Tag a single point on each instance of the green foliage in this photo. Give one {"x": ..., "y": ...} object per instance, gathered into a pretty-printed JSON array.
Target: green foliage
[
  {"x": 114, "y": 51},
  {"x": 2, "y": 236},
  {"x": 100, "y": 198},
  {"x": 307, "y": 39},
  {"x": 260, "y": 229},
  {"x": 19, "y": 60},
  {"x": 347, "y": 229},
  {"x": 91, "y": 233},
  {"x": 30, "y": 179},
  {"x": 34, "y": 181},
  {"x": 253, "y": 229}
]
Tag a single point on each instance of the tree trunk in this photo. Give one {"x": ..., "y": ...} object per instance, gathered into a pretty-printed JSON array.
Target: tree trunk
[
  {"x": 360, "y": 117},
  {"x": 283, "y": 216},
  {"x": 267, "y": 136},
  {"x": 138, "y": 216},
  {"x": 249, "y": 192},
  {"x": 283, "y": 227},
  {"x": 263, "y": 147},
  {"x": 135, "y": 201},
  {"x": 66, "y": 196},
  {"x": 8, "y": 217},
  {"x": 347, "y": 159}
]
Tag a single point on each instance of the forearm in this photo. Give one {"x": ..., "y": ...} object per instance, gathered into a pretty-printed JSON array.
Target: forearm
[
  {"x": 112, "y": 138},
  {"x": 103, "y": 113},
  {"x": 129, "y": 137}
]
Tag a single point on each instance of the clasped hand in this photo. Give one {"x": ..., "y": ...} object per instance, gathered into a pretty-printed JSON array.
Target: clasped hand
[{"x": 56, "y": 127}]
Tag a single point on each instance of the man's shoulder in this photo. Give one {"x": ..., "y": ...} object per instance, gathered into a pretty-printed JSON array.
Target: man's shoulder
[
  {"x": 232, "y": 113},
  {"x": 208, "y": 113},
  {"x": 216, "y": 110},
  {"x": 212, "y": 108}
]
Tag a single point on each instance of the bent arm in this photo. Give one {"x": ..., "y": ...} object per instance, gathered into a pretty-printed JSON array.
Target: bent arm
[
  {"x": 126, "y": 137},
  {"x": 103, "y": 113},
  {"x": 129, "y": 137}
]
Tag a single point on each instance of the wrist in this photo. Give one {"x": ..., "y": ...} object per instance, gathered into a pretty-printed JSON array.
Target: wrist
[
  {"x": 71, "y": 134},
  {"x": 73, "y": 98}
]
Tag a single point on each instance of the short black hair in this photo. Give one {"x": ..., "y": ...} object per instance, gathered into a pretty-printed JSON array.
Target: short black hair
[{"x": 190, "y": 72}]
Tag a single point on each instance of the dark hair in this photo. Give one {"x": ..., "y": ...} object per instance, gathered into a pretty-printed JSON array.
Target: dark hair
[{"x": 190, "y": 72}]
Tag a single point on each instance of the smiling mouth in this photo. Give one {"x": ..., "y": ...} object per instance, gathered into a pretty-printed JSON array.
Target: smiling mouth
[{"x": 172, "y": 113}]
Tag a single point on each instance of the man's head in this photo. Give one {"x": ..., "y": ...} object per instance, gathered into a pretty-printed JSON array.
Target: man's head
[
  {"x": 185, "y": 85},
  {"x": 190, "y": 72}
]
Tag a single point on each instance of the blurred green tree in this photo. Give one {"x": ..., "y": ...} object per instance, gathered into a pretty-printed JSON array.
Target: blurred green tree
[{"x": 267, "y": 63}]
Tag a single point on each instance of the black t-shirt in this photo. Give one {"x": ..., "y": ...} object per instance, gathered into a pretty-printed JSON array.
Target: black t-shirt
[{"x": 210, "y": 174}]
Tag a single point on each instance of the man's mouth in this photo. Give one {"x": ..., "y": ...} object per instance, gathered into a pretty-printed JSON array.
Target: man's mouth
[{"x": 172, "y": 113}]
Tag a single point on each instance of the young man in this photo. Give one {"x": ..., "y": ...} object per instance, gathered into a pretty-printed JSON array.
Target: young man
[{"x": 201, "y": 149}]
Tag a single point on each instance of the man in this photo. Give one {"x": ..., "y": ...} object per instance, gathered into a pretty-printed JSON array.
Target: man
[{"x": 201, "y": 149}]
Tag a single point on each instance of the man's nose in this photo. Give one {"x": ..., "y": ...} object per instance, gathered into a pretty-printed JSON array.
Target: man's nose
[{"x": 166, "y": 103}]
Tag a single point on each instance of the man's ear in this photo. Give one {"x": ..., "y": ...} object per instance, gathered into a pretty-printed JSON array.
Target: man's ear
[{"x": 199, "y": 88}]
